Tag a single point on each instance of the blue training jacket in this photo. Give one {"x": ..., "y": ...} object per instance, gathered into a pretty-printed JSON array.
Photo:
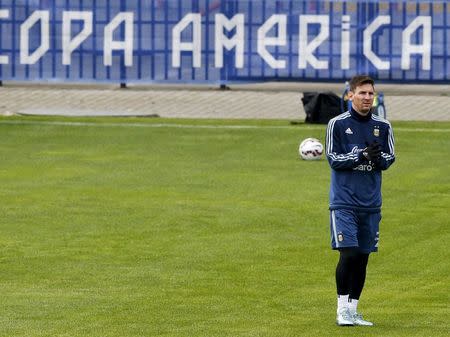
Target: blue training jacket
[{"x": 355, "y": 181}]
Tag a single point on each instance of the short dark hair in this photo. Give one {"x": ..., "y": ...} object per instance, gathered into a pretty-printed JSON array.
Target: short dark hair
[{"x": 359, "y": 80}]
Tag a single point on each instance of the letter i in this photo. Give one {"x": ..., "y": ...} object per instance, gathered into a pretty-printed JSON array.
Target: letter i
[{"x": 345, "y": 44}]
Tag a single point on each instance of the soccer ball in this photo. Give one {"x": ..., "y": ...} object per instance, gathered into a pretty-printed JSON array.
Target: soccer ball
[{"x": 310, "y": 149}]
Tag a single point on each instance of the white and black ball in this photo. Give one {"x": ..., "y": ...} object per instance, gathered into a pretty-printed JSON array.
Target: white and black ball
[{"x": 310, "y": 149}]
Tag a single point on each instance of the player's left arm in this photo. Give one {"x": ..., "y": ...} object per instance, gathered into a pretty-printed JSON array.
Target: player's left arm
[{"x": 387, "y": 152}]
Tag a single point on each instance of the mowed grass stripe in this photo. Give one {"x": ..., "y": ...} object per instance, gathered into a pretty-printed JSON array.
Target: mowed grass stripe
[{"x": 198, "y": 126}]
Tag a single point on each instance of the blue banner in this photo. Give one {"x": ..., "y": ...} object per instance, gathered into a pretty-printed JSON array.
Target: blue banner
[{"x": 222, "y": 41}]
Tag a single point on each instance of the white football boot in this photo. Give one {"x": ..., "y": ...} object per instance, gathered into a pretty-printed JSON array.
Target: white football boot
[
  {"x": 344, "y": 317},
  {"x": 359, "y": 320}
]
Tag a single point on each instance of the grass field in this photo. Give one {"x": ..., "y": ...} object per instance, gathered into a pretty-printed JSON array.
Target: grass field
[{"x": 202, "y": 228}]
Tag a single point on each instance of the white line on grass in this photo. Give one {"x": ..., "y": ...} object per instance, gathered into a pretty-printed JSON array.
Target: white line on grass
[
  {"x": 160, "y": 125},
  {"x": 193, "y": 126},
  {"x": 397, "y": 129}
]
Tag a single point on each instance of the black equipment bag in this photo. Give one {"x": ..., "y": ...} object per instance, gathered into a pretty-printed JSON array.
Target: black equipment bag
[{"x": 320, "y": 107}]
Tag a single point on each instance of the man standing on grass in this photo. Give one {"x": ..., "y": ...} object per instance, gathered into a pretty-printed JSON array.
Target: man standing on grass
[{"x": 359, "y": 145}]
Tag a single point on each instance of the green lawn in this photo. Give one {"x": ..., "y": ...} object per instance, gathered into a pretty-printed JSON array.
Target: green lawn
[{"x": 206, "y": 228}]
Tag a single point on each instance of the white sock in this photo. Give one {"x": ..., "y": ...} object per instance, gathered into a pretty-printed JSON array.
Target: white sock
[
  {"x": 352, "y": 305},
  {"x": 342, "y": 302}
]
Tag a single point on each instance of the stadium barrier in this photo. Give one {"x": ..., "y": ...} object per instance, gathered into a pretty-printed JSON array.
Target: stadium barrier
[{"x": 212, "y": 41}]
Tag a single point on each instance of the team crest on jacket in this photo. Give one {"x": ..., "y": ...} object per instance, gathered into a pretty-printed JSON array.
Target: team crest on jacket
[{"x": 376, "y": 132}]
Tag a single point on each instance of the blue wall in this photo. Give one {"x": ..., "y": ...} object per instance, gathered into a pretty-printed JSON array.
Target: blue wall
[{"x": 135, "y": 41}]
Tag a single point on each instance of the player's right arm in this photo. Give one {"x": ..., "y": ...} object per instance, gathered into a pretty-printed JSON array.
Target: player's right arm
[{"x": 338, "y": 157}]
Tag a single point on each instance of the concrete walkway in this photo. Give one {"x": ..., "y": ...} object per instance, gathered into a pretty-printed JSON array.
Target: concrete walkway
[{"x": 264, "y": 101}]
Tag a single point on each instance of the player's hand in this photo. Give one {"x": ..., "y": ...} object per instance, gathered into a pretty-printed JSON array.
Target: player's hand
[{"x": 372, "y": 152}]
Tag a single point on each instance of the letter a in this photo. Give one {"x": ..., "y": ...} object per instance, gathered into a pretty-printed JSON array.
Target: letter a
[
  {"x": 195, "y": 46},
  {"x": 424, "y": 49}
]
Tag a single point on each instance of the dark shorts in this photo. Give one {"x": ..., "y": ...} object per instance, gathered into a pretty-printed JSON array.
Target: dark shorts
[{"x": 351, "y": 228}]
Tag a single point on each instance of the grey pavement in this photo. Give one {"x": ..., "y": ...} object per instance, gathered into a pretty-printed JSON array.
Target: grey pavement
[{"x": 273, "y": 100}]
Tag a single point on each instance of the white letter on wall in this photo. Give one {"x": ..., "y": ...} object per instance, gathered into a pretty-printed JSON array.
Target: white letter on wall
[
  {"x": 4, "y": 14},
  {"x": 345, "y": 42},
  {"x": 305, "y": 49},
  {"x": 236, "y": 41},
  {"x": 424, "y": 48},
  {"x": 44, "y": 18},
  {"x": 195, "y": 46},
  {"x": 69, "y": 44},
  {"x": 126, "y": 45},
  {"x": 368, "y": 32},
  {"x": 280, "y": 40}
]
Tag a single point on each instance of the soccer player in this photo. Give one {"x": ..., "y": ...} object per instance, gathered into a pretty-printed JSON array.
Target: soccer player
[{"x": 359, "y": 146}]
